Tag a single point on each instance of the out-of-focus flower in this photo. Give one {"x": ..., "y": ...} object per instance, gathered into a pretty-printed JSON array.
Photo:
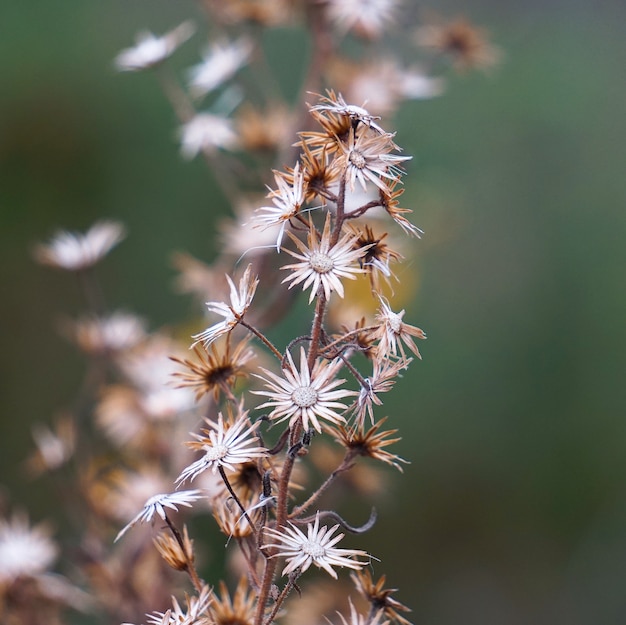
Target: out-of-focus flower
[
  {"x": 150, "y": 50},
  {"x": 25, "y": 551},
  {"x": 221, "y": 61},
  {"x": 366, "y": 18},
  {"x": 263, "y": 130},
  {"x": 53, "y": 447},
  {"x": 224, "y": 445},
  {"x": 208, "y": 133},
  {"x": 240, "y": 301},
  {"x": 305, "y": 396},
  {"x": 322, "y": 265},
  {"x": 112, "y": 333},
  {"x": 74, "y": 251},
  {"x": 316, "y": 547},
  {"x": 384, "y": 84},
  {"x": 461, "y": 41},
  {"x": 157, "y": 504}
]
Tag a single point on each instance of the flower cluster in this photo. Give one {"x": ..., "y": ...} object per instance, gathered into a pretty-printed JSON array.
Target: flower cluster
[{"x": 248, "y": 416}]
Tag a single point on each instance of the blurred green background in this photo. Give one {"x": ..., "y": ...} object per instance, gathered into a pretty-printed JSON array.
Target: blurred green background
[{"x": 514, "y": 507}]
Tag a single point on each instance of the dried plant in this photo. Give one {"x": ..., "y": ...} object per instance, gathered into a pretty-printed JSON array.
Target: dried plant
[{"x": 247, "y": 419}]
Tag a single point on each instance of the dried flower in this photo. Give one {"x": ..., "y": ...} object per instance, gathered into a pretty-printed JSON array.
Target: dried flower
[
  {"x": 305, "y": 396},
  {"x": 195, "y": 614},
  {"x": 316, "y": 547},
  {"x": 214, "y": 372},
  {"x": 367, "y": 157},
  {"x": 172, "y": 552},
  {"x": 392, "y": 332},
  {"x": 224, "y": 445},
  {"x": 74, "y": 251},
  {"x": 239, "y": 303},
  {"x": 322, "y": 265},
  {"x": 287, "y": 199},
  {"x": 157, "y": 504},
  {"x": 380, "y": 597},
  {"x": 389, "y": 201},
  {"x": 237, "y": 611},
  {"x": 359, "y": 619},
  {"x": 369, "y": 444},
  {"x": 149, "y": 50}
]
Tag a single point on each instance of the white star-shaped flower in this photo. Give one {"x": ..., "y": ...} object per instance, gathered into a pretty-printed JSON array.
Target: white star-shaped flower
[
  {"x": 287, "y": 199},
  {"x": 240, "y": 301},
  {"x": 316, "y": 547},
  {"x": 323, "y": 265},
  {"x": 305, "y": 396},
  {"x": 224, "y": 445},
  {"x": 157, "y": 504}
]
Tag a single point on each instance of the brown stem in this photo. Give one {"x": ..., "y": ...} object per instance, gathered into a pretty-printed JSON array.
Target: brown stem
[
  {"x": 234, "y": 496},
  {"x": 346, "y": 465},
  {"x": 262, "y": 338},
  {"x": 191, "y": 569}
]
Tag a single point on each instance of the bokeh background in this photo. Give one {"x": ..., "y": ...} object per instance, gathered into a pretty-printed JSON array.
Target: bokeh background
[{"x": 514, "y": 507}]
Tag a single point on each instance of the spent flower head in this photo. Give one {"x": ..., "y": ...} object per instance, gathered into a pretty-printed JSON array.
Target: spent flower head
[
  {"x": 305, "y": 396},
  {"x": 323, "y": 265},
  {"x": 240, "y": 300},
  {"x": 225, "y": 444},
  {"x": 157, "y": 505},
  {"x": 316, "y": 547},
  {"x": 287, "y": 199}
]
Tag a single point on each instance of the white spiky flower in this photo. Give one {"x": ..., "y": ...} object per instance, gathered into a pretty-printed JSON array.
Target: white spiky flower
[
  {"x": 240, "y": 301},
  {"x": 316, "y": 547},
  {"x": 157, "y": 505},
  {"x": 367, "y": 157},
  {"x": 323, "y": 265},
  {"x": 224, "y": 445},
  {"x": 287, "y": 199},
  {"x": 392, "y": 332},
  {"x": 303, "y": 395}
]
